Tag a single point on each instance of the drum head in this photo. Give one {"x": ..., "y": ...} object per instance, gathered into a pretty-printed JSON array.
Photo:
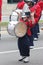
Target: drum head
[{"x": 20, "y": 29}]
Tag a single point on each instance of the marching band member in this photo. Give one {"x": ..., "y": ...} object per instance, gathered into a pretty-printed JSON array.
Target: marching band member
[
  {"x": 37, "y": 14},
  {"x": 25, "y": 42},
  {"x": 36, "y": 28}
]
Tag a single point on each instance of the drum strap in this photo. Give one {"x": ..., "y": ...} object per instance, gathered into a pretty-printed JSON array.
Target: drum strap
[{"x": 18, "y": 14}]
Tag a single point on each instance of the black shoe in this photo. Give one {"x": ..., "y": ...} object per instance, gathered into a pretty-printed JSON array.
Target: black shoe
[
  {"x": 22, "y": 59},
  {"x": 26, "y": 61}
]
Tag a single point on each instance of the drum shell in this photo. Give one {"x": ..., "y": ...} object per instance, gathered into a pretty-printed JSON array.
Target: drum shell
[{"x": 10, "y": 27}]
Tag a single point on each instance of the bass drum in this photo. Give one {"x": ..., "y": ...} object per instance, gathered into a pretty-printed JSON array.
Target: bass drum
[
  {"x": 20, "y": 29},
  {"x": 10, "y": 27}
]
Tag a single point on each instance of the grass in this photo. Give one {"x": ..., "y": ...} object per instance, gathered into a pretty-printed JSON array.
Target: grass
[
  {"x": 6, "y": 23},
  {"x": 41, "y": 21}
]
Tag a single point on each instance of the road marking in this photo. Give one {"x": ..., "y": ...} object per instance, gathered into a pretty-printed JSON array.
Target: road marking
[
  {"x": 38, "y": 48},
  {"x": 0, "y": 36},
  {"x": 14, "y": 51}
]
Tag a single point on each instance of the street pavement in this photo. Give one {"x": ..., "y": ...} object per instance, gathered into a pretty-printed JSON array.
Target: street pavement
[{"x": 9, "y": 54}]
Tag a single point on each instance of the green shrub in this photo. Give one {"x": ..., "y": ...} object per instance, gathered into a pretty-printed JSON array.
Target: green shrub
[{"x": 4, "y": 23}]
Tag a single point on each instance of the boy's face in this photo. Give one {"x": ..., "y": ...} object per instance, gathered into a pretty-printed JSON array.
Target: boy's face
[
  {"x": 25, "y": 18},
  {"x": 29, "y": 3}
]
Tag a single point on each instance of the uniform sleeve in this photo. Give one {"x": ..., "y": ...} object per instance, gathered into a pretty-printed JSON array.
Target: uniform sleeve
[
  {"x": 37, "y": 14},
  {"x": 20, "y": 5},
  {"x": 0, "y": 2},
  {"x": 41, "y": 4},
  {"x": 28, "y": 23}
]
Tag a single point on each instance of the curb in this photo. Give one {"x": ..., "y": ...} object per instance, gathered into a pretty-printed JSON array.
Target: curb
[{"x": 3, "y": 28}]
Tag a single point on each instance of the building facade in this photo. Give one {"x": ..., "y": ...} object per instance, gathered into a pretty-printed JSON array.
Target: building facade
[{"x": 7, "y": 8}]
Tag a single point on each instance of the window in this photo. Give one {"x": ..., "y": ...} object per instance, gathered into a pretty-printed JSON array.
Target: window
[{"x": 12, "y": 1}]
